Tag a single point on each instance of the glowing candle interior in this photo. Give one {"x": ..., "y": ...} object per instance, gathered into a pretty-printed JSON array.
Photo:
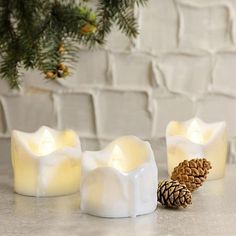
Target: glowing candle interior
[
  {"x": 46, "y": 145},
  {"x": 46, "y": 163},
  {"x": 194, "y": 132},
  {"x": 120, "y": 180},
  {"x": 197, "y": 139}
]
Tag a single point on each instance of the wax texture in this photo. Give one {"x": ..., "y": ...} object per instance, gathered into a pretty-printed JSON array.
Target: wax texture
[
  {"x": 120, "y": 180},
  {"x": 197, "y": 139},
  {"x": 46, "y": 163}
]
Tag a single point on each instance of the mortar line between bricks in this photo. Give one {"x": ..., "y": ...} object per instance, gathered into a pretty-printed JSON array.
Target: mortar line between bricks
[
  {"x": 6, "y": 115},
  {"x": 95, "y": 112},
  {"x": 57, "y": 108}
]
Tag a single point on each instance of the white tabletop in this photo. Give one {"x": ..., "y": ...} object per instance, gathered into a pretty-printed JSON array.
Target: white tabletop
[{"x": 213, "y": 212}]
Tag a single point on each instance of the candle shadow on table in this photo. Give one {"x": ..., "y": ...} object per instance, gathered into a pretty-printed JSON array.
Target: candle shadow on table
[
  {"x": 6, "y": 187},
  {"x": 213, "y": 187},
  {"x": 165, "y": 208},
  {"x": 63, "y": 205},
  {"x": 122, "y": 225}
]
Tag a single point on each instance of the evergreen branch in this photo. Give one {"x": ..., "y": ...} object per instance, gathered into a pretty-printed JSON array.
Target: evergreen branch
[
  {"x": 104, "y": 19},
  {"x": 9, "y": 66},
  {"x": 127, "y": 22},
  {"x": 44, "y": 34},
  {"x": 128, "y": 3}
]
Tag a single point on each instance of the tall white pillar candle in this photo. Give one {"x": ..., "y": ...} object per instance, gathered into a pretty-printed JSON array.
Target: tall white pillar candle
[
  {"x": 46, "y": 163},
  {"x": 197, "y": 139},
  {"x": 120, "y": 180}
]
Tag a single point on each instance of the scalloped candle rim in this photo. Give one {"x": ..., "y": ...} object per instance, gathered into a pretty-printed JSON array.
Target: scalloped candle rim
[
  {"x": 179, "y": 130},
  {"x": 120, "y": 180},
  {"x": 197, "y": 139},
  {"x": 46, "y": 162},
  {"x": 47, "y": 138}
]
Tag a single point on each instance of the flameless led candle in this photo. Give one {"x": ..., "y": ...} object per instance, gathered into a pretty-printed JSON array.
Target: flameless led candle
[
  {"x": 197, "y": 139},
  {"x": 46, "y": 163},
  {"x": 120, "y": 180}
]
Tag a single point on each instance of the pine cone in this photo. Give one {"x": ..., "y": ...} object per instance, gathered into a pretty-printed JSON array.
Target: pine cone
[
  {"x": 192, "y": 173},
  {"x": 50, "y": 75},
  {"x": 173, "y": 194},
  {"x": 61, "y": 49},
  {"x": 88, "y": 28},
  {"x": 62, "y": 70}
]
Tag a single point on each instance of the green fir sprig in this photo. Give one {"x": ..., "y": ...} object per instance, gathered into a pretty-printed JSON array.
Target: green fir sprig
[{"x": 44, "y": 35}]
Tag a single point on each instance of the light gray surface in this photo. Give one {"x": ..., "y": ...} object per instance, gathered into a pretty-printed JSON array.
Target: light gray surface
[{"x": 213, "y": 213}]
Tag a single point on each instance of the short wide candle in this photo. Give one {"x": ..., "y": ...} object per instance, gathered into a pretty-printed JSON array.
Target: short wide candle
[
  {"x": 46, "y": 163},
  {"x": 197, "y": 139},
  {"x": 120, "y": 180}
]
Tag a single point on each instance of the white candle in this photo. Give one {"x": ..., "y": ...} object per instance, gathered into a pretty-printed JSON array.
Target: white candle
[
  {"x": 197, "y": 139},
  {"x": 46, "y": 163},
  {"x": 120, "y": 180}
]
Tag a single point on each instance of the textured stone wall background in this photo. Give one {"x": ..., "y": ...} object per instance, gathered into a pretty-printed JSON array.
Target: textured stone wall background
[{"x": 183, "y": 64}]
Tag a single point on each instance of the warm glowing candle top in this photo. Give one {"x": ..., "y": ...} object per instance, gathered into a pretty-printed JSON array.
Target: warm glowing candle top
[
  {"x": 194, "y": 130},
  {"x": 46, "y": 162},
  {"x": 197, "y": 139},
  {"x": 125, "y": 155},
  {"x": 120, "y": 180},
  {"x": 46, "y": 140}
]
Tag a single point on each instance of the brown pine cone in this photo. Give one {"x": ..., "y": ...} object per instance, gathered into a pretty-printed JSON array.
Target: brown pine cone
[
  {"x": 192, "y": 173},
  {"x": 50, "y": 75},
  {"x": 173, "y": 194},
  {"x": 61, "y": 66},
  {"x": 61, "y": 49},
  {"x": 88, "y": 28}
]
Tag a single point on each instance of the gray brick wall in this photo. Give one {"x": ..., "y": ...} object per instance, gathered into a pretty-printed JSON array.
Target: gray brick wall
[{"x": 182, "y": 64}]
